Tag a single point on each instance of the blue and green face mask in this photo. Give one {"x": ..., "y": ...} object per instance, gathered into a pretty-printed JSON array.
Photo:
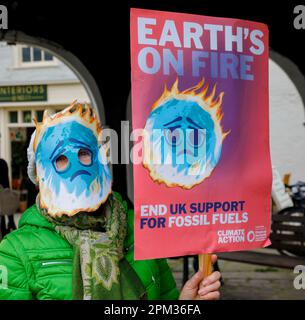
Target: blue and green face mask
[{"x": 71, "y": 170}]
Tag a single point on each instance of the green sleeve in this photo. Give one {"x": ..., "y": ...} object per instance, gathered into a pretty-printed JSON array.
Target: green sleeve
[
  {"x": 13, "y": 278},
  {"x": 168, "y": 287}
]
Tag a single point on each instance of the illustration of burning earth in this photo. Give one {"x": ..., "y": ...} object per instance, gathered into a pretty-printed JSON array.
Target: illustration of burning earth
[{"x": 183, "y": 136}]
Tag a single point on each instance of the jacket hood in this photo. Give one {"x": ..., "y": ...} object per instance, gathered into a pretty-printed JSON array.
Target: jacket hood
[{"x": 33, "y": 217}]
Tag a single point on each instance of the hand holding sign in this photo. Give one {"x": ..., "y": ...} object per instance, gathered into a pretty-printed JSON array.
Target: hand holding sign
[{"x": 202, "y": 287}]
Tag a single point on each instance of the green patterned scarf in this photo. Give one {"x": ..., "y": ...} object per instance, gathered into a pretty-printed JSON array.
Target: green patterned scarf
[{"x": 100, "y": 271}]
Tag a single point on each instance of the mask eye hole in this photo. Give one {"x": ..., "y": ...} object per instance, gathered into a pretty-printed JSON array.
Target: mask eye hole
[
  {"x": 196, "y": 137},
  {"x": 173, "y": 136},
  {"x": 85, "y": 157},
  {"x": 61, "y": 163}
]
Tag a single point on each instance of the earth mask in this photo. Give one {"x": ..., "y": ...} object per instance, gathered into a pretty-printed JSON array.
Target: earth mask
[
  {"x": 70, "y": 165},
  {"x": 183, "y": 136}
]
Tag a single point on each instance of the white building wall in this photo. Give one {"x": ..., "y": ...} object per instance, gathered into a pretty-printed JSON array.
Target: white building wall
[
  {"x": 66, "y": 94},
  {"x": 287, "y": 132}
]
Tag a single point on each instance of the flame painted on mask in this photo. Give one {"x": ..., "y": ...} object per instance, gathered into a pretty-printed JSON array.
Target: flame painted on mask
[
  {"x": 81, "y": 184},
  {"x": 183, "y": 135}
]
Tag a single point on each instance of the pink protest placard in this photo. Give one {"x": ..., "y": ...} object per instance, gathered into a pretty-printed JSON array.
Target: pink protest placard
[{"x": 202, "y": 171}]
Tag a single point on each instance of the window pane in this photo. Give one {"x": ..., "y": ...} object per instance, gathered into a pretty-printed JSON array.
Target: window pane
[
  {"x": 37, "y": 54},
  {"x": 13, "y": 117},
  {"x": 48, "y": 56},
  {"x": 26, "y": 54},
  {"x": 27, "y": 116},
  {"x": 39, "y": 115}
]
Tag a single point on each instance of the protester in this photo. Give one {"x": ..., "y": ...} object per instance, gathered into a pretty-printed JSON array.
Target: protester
[{"x": 76, "y": 242}]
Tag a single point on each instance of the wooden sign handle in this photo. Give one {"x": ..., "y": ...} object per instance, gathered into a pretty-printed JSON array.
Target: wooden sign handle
[{"x": 205, "y": 263}]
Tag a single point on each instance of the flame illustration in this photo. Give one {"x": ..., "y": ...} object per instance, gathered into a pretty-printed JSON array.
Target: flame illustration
[
  {"x": 83, "y": 114},
  {"x": 195, "y": 174},
  {"x": 199, "y": 94}
]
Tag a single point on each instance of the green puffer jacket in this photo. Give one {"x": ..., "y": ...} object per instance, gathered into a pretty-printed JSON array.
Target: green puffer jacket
[{"x": 39, "y": 263}]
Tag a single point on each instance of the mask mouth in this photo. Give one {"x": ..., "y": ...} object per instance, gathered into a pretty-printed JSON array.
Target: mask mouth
[
  {"x": 186, "y": 152},
  {"x": 79, "y": 172}
]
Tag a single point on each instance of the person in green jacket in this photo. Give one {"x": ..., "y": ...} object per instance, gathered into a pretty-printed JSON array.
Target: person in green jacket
[{"x": 76, "y": 242}]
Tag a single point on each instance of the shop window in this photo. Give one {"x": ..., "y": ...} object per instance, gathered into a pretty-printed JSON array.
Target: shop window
[
  {"x": 27, "y": 116},
  {"x": 36, "y": 56},
  {"x": 13, "y": 116},
  {"x": 39, "y": 115},
  {"x": 26, "y": 54},
  {"x": 48, "y": 56}
]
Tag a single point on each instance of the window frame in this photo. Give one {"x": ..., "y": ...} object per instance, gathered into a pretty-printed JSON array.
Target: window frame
[{"x": 19, "y": 63}]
